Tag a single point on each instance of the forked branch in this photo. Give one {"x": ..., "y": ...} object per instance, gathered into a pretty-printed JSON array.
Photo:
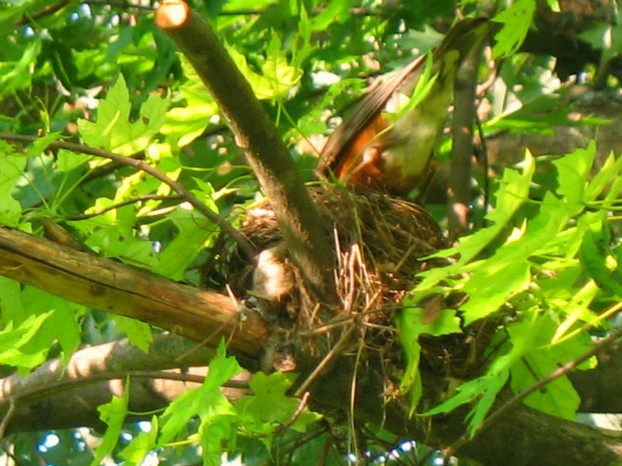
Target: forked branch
[{"x": 302, "y": 229}]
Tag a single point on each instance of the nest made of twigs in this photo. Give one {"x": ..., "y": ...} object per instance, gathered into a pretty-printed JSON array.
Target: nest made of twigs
[
  {"x": 378, "y": 240},
  {"x": 380, "y": 244}
]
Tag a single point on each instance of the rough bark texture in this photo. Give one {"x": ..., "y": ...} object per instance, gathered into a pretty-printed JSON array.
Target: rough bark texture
[
  {"x": 255, "y": 133},
  {"x": 53, "y": 397},
  {"x": 57, "y": 397},
  {"x": 104, "y": 284},
  {"x": 459, "y": 192}
]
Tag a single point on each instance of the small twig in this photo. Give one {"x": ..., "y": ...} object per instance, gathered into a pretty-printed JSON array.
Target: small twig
[
  {"x": 48, "y": 10},
  {"x": 62, "y": 385},
  {"x": 342, "y": 321},
  {"x": 485, "y": 166},
  {"x": 146, "y": 197},
  {"x": 206, "y": 340},
  {"x": 122, "y": 4},
  {"x": 243, "y": 242},
  {"x": 353, "y": 391},
  {"x": 516, "y": 399},
  {"x": 323, "y": 364},
  {"x": 304, "y": 400},
  {"x": 7, "y": 418}
]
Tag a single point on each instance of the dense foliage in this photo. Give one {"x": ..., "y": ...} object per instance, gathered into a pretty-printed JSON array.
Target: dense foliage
[{"x": 92, "y": 93}]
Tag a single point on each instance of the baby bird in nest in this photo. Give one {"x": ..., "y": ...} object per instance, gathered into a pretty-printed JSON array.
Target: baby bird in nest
[
  {"x": 273, "y": 286},
  {"x": 274, "y": 283}
]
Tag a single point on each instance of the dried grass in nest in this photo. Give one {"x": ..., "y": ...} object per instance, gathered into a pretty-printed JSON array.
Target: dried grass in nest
[
  {"x": 379, "y": 236},
  {"x": 378, "y": 241}
]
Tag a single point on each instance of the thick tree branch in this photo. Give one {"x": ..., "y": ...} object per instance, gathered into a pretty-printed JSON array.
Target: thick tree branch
[
  {"x": 104, "y": 284},
  {"x": 300, "y": 224},
  {"x": 522, "y": 436},
  {"x": 459, "y": 192},
  {"x": 58, "y": 396},
  {"x": 600, "y": 387}
]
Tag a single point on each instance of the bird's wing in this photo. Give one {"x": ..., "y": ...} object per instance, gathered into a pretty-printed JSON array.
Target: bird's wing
[
  {"x": 462, "y": 37},
  {"x": 368, "y": 109}
]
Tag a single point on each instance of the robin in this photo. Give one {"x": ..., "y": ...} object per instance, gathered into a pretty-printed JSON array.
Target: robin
[{"x": 368, "y": 148}]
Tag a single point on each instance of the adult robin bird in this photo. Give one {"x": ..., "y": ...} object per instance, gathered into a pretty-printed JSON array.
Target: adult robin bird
[{"x": 367, "y": 148}]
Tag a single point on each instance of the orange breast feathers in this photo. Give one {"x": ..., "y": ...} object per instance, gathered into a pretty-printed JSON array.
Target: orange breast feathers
[
  {"x": 361, "y": 157},
  {"x": 368, "y": 149}
]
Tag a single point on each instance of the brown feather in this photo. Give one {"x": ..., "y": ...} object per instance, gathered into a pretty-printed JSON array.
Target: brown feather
[{"x": 355, "y": 151}]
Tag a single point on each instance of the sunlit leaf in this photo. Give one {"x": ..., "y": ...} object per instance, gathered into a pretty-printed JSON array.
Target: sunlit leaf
[
  {"x": 113, "y": 129},
  {"x": 113, "y": 414},
  {"x": 138, "y": 333},
  {"x": 134, "y": 453},
  {"x": 516, "y": 22}
]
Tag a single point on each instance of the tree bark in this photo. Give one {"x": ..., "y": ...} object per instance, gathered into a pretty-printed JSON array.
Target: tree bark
[
  {"x": 459, "y": 192},
  {"x": 54, "y": 397},
  {"x": 303, "y": 231},
  {"x": 101, "y": 283},
  {"x": 58, "y": 396}
]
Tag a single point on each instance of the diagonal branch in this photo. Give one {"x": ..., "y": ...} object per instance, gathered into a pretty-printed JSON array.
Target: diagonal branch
[
  {"x": 66, "y": 395},
  {"x": 145, "y": 167},
  {"x": 256, "y": 134},
  {"x": 101, "y": 283},
  {"x": 462, "y": 153}
]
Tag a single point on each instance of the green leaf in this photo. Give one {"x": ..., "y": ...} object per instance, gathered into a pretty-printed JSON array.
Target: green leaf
[
  {"x": 609, "y": 172},
  {"x": 516, "y": 22},
  {"x": 11, "y": 301},
  {"x": 280, "y": 75},
  {"x": 558, "y": 398},
  {"x": 412, "y": 322},
  {"x": 489, "y": 395},
  {"x": 61, "y": 325},
  {"x": 277, "y": 77},
  {"x": 492, "y": 285},
  {"x": 270, "y": 406},
  {"x": 335, "y": 11},
  {"x": 207, "y": 402},
  {"x": 573, "y": 170},
  {"x": 269, "y": 403},
  {"x": 513, "y": 191},
  {"x": 411, "y": 380},
  {"x": 138, "y": 333},
  {"x": 425, "y": 85},
  {"x": 17, "y": 75},
  {"x": 11, "y": 170},
  {"x": 594, "y": 255},
  {"x": 194, "y": 234},
  {"x": 184, "y": 124},
  {"x": 113, "y": 130},
  {"x": 67, "y": 160},
  {"x": 487, "y": 387},
  {"x": 542, "y": 358},
  {"x": 113, "y": 414},
  {"x": 136, "y": 451},
  {"x": 14, "y": 339},
  {"x": 114, "y": 235}
]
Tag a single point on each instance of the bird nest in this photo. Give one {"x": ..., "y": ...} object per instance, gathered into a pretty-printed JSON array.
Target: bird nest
[{"x": 380, "y": 243}]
